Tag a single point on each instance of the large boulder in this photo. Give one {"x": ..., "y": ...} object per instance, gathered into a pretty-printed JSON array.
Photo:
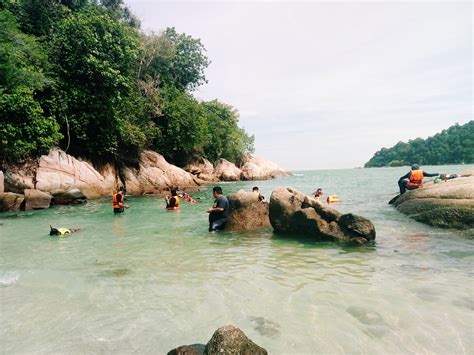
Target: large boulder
[
  {"x": 18, "y": 181},
  {"x": 58, "y": 170},
  {"x": 256, "y": 168},
  {"x": 231, "y": 340},
  {"x": 246, "y": 212},
  {"x": 36, "y": 200},
  {"x": 201, "y": 168},
  {"x": 10, "y": 201},
  {"x": 155, "y": 174},
  {"x": 291, "y": 212},
  {"x": 448, "y": 204},
  {"x": 226, "y": 171},
  {"x": 71, "y": 196}
]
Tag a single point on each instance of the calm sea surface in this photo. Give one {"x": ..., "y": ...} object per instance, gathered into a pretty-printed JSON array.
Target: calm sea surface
[{"x": 150, "y": 280}]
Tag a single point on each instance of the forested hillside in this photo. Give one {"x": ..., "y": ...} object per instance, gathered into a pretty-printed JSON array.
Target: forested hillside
[
  {"x": 80, "y": 74},
  {"x": 454, "y": 145}
]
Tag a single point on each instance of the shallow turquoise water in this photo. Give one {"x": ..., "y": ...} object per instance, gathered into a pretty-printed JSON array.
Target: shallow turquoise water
[{"x": 150, "y": 280}]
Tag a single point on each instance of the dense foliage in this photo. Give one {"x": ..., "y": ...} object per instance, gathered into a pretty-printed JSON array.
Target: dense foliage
[
  {"x": 454, "y": 145},
  {"x": 80, "y": 74}
]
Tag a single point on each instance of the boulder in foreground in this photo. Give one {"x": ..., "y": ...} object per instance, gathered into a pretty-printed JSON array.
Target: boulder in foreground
[
  {"x": 228, "y": 340},
  {"x": 291, "y": 212}
]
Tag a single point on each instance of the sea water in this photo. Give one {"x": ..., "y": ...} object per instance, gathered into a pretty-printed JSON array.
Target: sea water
[{"x": 150, "y": 280}]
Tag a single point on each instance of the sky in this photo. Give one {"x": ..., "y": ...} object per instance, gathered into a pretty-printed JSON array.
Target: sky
[{"x": 324, "y": 85}]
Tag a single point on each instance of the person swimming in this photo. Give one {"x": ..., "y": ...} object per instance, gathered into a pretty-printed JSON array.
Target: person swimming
[{"x": 62, "y": 232}]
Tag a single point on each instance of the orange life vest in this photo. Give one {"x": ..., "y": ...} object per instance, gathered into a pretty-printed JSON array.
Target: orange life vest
[
  {"x": 416, "y": 178},
  {"x": 116, "y": 203},
  {"x": 176, "y": 203}
]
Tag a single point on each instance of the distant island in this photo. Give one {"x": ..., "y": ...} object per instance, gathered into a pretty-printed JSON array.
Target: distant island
[{"x": 454, "y": 145}]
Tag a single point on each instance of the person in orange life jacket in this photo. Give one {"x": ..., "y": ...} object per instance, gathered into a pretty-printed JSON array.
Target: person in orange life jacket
[
  {"x": 118, "y": 199},
  {"x": 172, "y": 202},
  {"x": 413, "y": 179}
]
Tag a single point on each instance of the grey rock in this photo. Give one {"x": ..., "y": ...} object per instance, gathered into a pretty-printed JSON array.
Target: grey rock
[
  {"x": 449, "y": 204},
  {"x": 72, "y": 196},
  {"x": 291, "y": 212},
  {"x": 231, "y": 340},
  {"x": 246, "y": 212},
  {"x": 10, "y": 201},
  {"x": 36, "y": 199}
]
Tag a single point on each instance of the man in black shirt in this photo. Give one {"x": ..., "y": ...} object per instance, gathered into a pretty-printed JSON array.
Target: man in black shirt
[{"x": 219, "y": 212}]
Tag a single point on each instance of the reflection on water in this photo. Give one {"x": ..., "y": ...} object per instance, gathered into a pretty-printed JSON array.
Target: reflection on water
[{"x": 150, "y": 279}]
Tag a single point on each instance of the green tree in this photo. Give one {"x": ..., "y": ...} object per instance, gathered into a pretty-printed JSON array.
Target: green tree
[
  {"x": 95, "y": 60},
  {"x": 451, "y": 146}
]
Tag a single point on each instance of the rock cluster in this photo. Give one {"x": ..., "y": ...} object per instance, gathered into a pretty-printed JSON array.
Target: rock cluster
[
  {"x": 291, "y": 212},
  {"x": 225, "y": 340},
  {"x": 448, "y": 204}
]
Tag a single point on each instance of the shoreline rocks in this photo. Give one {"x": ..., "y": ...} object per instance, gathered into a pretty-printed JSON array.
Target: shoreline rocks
[
  {"x": 448, "y": 204},
  {"x": 228, "y": 339},
  {"x": 256, "y": 168},
  {"x": 291, "y": 212}
]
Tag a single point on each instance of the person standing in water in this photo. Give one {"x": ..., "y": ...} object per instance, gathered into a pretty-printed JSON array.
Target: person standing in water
[
  {"x": 219, "y": 212},
  {"x": 413, "y": 179},
  {"x": 118, "y": 199},
  {"x": 172, "y": 202}
]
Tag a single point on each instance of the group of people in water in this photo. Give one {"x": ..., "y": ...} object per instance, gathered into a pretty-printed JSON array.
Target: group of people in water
[{"x": 219, "y": 212}]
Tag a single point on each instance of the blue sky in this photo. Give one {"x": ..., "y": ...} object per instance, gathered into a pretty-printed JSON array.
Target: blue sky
[{"x": 327, "y": 84}]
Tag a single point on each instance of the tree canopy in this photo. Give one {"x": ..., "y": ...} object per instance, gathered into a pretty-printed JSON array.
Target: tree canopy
[
  {"x": 454, "y": 145},
  {"x": 82, "y": 75}
]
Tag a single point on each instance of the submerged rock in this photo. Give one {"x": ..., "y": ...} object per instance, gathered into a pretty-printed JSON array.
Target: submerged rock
[
  {"x": 10, "y": 201},
  {"x": 256, "y": 168},
  {"x": 72, "y": 196},
  {"x": 36, "y": 200},
  {"x": 448, "y": 204},
  {"x": 227, "y": 171},
  {"x": 246, "y": 212},
  {"x": 231, "y": 340},
  {"x": 228, "y": 340},
  {"x": 291, "y": 212}
]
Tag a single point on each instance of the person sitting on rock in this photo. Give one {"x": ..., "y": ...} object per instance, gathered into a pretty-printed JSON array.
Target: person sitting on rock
[
  {"x": 62, "y": 232},
  {"x": 219, "y": 212},
  {"x": 413, "y": 179},
  {"x": 257, "y": 193},
  {"x": 172, "y": 202}
]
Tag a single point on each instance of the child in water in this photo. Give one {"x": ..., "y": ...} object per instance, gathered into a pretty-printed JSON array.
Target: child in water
[{"x": 62, "y": 232}]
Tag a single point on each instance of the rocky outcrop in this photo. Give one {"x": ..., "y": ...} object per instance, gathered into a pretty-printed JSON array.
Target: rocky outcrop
[
  {"x": 246, "y": 212},
  {"x": 59, "y": 170},
  {"x": 10, "y": 201},
  {"x": 291, "y": 212},
  {"x": 155, "y": 174},
  {"x": 255, "y": 168},
  {"x": 201, "y": 168},
  {"x": 231, "y": 340},
  {"x": 226, "y": 171},
  {"x": 36, "y": 200},
  {"x": 447, "y": 204}
]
